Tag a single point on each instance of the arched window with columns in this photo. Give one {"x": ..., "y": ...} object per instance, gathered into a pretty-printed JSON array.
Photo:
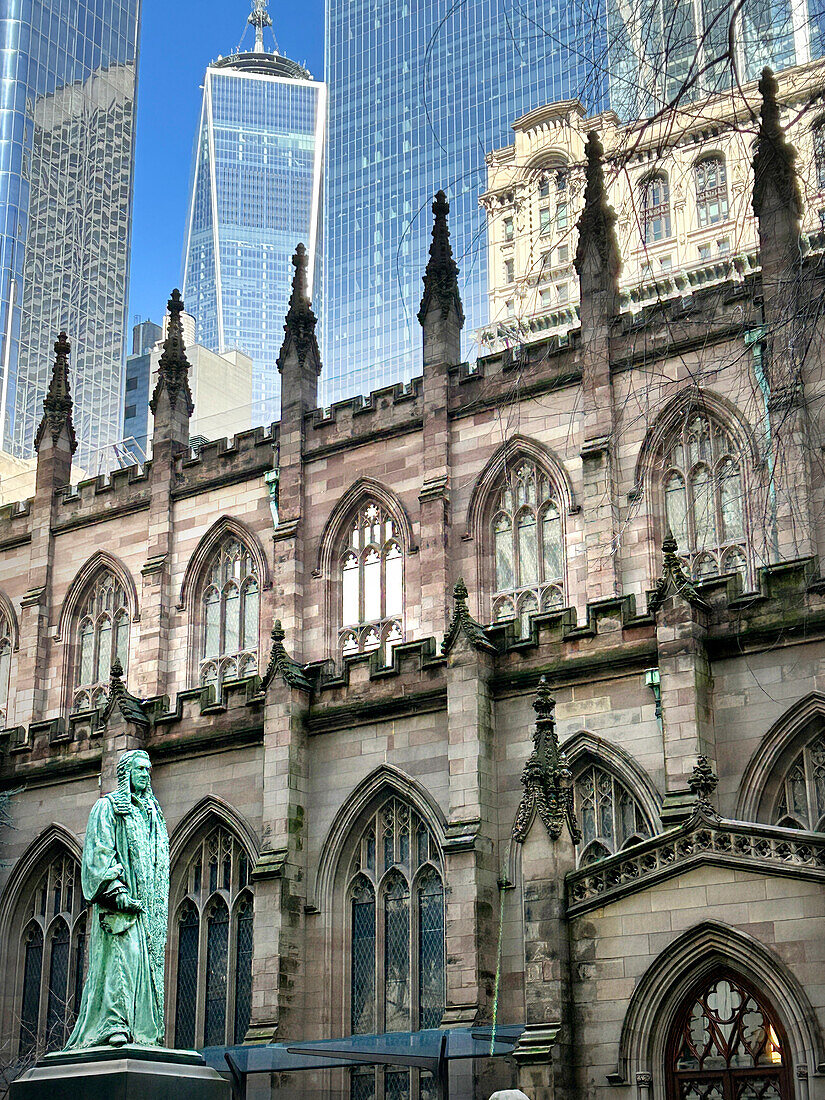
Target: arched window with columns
[
  {"x": 101, "y": 633},
  {"x": 371, "y": 574},
  {"x": 51, "y": 958},
  {"x": 394, "y": 920},
  {"x": 211, "y": 942},
  {"x": 229, "y": 627}
]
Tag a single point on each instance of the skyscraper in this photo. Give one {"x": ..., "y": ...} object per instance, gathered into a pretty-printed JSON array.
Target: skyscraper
[
  {"x": 420, "y": 92},
  {"x": 67, "y": 111},
  {"x": 256, "y": 192}
]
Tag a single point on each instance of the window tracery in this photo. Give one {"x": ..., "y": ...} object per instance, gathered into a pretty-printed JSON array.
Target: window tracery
[
  {"x": 213, "y": 945},
  {"x": 395, "y": 896},
  {"x": 704, "y": 498},
  {"x": 52, "y": 958},
  {"x": 801, "y": 800},
  {"x": 528, "y": 546},
  {"x": 727, "y": 1045},
  {"x": 230, "y": 601},
  {"x": 372, "y": 583},
  {"x": 102, "y": 635},
  {"x": 6, "y": 646},
  {"x": 609, "y": 816}
]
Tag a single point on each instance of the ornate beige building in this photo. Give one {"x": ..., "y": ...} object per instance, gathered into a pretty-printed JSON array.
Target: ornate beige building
[
  {"x": 680, "y": 184},
  {"x": 581, "y": 793}
]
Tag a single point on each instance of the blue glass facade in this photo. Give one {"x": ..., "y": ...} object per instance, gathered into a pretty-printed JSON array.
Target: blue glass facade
[
  {"x": 67, "y": 91},
  {"x": 420, "y": 92},
  {"x": 256, "y": 192}
]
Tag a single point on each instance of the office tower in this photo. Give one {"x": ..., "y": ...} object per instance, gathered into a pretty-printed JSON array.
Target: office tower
[
  {"x": 419, "y": 93},
  {"x": 256, "y": 192},
  {"x": 67, "y": 108}
]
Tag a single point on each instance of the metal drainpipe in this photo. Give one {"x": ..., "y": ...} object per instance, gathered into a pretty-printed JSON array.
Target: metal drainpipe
[{"x": 755, "y": 337}]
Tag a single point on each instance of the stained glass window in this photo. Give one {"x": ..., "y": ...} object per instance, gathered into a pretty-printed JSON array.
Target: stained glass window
[
  {"x": 372, "y": 583},
  {"x": 528, "y": 548},
  {"x": 609, "y": 816},
  {"x": 801, "y": 800},
  {"x": 52, "y": 948},
  {"x": 212, "y": 944},
  {"x": 230, "y": 601},
  {"x": 102, "y": 635},
  {"x": 711, "y": 190},
  {"x": 727, "y": 1045},
  {"x": 396, "y": 930},
  {"x": 704, "y": 498}
]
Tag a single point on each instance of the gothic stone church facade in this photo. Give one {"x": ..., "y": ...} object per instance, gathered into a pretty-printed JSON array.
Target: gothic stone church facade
[{"x": 381, "y": 818}]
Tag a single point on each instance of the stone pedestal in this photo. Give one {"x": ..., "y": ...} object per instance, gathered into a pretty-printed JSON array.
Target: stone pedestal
[{"x": 122, "y": 1073}]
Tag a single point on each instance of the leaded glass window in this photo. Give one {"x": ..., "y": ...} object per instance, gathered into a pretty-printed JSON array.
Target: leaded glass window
[
  {"x": 727, "y": 1045},
  {"x": 52, "y": 956},
  {"x": 528, "y": 546},
  {"x": 654, "y": 195},
  {"x": 704, "y": 498},
  {"x": 395, "y": 911},
  {"x": 609, "y": 816},
  {"x": 801, "y": 800},
  {"x": 102, "y": 634},
  {"x": 212, "y": 944},
  {"x": 711, "y": 191},
  {"x": 372, "y": 583},
  {"x": 229, "y": 629},
  {"x": 5, "y": 666}
]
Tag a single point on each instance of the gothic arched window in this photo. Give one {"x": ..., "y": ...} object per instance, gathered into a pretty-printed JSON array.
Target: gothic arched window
[
  {"x": 654, "y": 195},
  {"x": 727, "y": 1044},
  {"x": 102, "y": 635},
  {"x": 528, "y": 546},
  {"x": 229, "y": 628},
  {"x": 711, "y": 190},
  {"x": 395, "y": 916},
  {"x": 609, "y": 815},
  {"x": 52, "y": 958},
  {"x": 372, "y": 582},
  {"x": 6, "y": 647},
  {"x": 801, "y": 800},
  {"x": 212, "y": 945},
  {"x": 704, "y": 498}
]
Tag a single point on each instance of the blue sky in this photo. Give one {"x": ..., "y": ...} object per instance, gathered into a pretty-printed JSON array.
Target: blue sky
[{"x": 177, "y": 43}]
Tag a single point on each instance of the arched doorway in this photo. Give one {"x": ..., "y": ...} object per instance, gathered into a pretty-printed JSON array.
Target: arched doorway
[{"x": 727, "y": 1043}]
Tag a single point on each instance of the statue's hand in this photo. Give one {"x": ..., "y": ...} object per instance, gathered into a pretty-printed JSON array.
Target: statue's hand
[{"x": 125, "y": 903}]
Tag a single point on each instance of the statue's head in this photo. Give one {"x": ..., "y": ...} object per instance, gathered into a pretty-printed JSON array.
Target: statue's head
[{"x": 133, "y": 772}]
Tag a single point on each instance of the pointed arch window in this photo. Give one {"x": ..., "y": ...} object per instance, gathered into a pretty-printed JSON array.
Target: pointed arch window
[
  {"x": 102, "y": 634},
  {"x": 6, "y": 646},
  {"x": 528, "y": 546},
  {"x": 230, "y": 613},
  {"x": 711, "y": 190},
  {"x": 395, "y": 914},
  {"x": 801, "y": 800},
  {"x": 609, "y": 816},
  {"x": 212, "y": 944},
  {"x": 727, "y": 1044},
  {"x": 372, "y": 583},
  {"x": 705, "y": 500},
  {"x": 52, "y": 958}
]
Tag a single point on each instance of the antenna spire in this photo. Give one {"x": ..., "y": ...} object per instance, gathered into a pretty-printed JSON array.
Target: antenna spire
[{"x": 259, "y": 18}]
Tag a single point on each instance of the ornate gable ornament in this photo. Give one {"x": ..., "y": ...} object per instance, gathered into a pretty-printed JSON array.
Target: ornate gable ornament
[
  {"x": 281, "y": 664},
  {"x": 597, "y": 224},
  {"x": 703, "y": 783},
  {"x": 57, "y": 404},
  {"x": 547, "y": 782},
  {"x": 130, "y": 707},
  {"x": 463, "y": 622},
  {"x": 441, "y": 275},
  {"x": 173, "y": 368},
  {"x": 300, "y": 321},
  {"x": 773, "y": 162},
  {"x": 674, "y": 580}
]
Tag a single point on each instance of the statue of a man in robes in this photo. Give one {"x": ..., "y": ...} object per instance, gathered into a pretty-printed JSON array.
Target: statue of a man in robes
[{"x": 125, "y": 877}]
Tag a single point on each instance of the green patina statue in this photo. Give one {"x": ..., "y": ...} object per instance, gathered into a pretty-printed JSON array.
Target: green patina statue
[{"x": 125, "y": 876}]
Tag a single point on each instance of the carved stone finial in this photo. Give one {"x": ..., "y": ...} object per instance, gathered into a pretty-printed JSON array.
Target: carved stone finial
[
  {"x": 441, "y": 275},
  {"x": 547, "y": 781},
  {"x": 130, "y": 707},
  {"x": 463, "y": 622},
  {"x": 597, "y": 224},
  {"x": 673, "y": 579},
  {"x": 173, "y": 367},
  {"x": 57, "y": 404},
  {"x": 773, "y": 162},
  {"x": 281, "y": 664},
  {"x": 703, "y": 783},
  {"x": 300, "y": 321}
]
